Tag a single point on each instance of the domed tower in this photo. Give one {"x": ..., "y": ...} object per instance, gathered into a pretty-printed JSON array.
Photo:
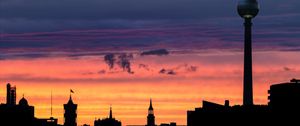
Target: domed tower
[
  {"x": 248, "y": 9},
  {"x": 150, "y": 117},
  {"x": 70, "y": 113},
  {"x": 23, "y": 102},
  {"x": 25, "y": 110}
]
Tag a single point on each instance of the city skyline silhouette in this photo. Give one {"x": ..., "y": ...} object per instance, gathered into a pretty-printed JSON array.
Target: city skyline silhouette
[
  {"x": 281, "y": 108},
  {"x": 100, "y": 62}
]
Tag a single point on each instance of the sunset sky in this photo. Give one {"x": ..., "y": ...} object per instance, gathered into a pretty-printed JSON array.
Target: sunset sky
[{"x": 58, "y": 45}]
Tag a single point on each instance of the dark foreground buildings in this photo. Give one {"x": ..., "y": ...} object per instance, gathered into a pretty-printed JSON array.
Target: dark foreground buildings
[
  {"x": 168, "y": 124},
  {"x": 285, "y": 97},
  {"x": 283, "y": 108},
  {"x": 13, "y": 114},
  {"x": 22, "y": 114},
  {"x": 110, "y": 121},
  {"x": 217, "y": 114}
]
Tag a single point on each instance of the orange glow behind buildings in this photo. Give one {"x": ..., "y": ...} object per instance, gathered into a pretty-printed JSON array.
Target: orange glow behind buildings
[{"x": 218, "y": 77}]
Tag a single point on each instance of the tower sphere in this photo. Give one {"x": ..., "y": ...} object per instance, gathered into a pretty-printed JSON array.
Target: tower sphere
[{"x": 248, "y": 8}]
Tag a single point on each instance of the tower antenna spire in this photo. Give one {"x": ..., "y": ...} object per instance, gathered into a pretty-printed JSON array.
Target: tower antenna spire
[{"x": 51, "y": 104}]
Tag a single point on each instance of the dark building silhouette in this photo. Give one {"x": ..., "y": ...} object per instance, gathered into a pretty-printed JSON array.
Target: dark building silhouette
[
  {"x": 168, "y": 124},
  {"x": 150, "y": 117},
  {"x": 70, "y": 113},
  {"x": 110, "y": 121},
  {"x": 47, "y": 122},
  {"x": 11, "y": 94},
  {"x": 284, "y": 103},
  {"x": 13, "y": 114},
  {"x": 216, "y": 114},
  {"x": 285, "y": 97},
  {"x": 22, "y": 114}
]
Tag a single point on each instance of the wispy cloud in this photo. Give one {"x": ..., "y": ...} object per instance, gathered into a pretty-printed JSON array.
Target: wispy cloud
[
  {"x": 180, "y": 69},
  {"x": 158, "y": 52},
  {"x": 192, "y": 36}
]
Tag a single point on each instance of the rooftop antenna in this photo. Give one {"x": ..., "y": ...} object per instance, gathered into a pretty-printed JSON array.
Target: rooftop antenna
[{"x": 51, "y": 103}]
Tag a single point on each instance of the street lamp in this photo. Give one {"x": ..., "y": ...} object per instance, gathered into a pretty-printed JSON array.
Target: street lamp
[{"x": 248, "y": 9}]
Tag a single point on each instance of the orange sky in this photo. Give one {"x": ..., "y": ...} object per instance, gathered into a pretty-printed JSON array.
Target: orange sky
[{"x": 218, "y": 77}]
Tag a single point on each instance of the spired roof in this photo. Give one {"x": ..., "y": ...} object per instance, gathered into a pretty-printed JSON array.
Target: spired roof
[
  {"x": 70, "y": 102},
  {"x": 150, "y": 107},
  {"x": 110, "y": 113}
]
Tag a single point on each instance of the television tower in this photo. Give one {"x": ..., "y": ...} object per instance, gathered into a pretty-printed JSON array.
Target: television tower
[{"x": 248, "y": 9}]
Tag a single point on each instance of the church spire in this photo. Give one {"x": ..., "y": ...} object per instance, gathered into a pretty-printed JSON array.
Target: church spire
[
  {"x": 150, "y": 117},
  {"x": 150, "y": 107}
]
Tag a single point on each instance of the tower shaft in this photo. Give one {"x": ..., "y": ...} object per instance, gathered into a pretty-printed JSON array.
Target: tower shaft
[{"x": 248, "y": 81}]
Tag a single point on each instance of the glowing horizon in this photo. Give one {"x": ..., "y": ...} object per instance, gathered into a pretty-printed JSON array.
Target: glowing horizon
[{"x": 129, "y": 94}]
